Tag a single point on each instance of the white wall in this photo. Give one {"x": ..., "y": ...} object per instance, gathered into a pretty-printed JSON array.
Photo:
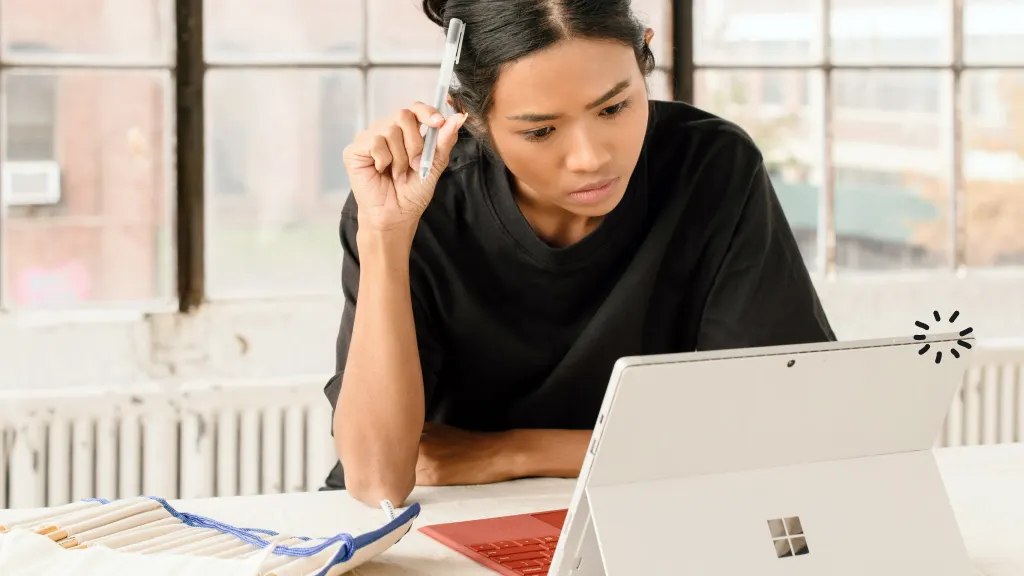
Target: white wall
[{"x": 296, "y": 336}]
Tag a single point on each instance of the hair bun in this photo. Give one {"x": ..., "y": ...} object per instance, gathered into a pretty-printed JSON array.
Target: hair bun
[{"x": 434, "y": 9}]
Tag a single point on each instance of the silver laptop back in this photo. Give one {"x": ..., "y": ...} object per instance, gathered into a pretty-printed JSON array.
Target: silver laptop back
[{"x": 710, "y": 423}]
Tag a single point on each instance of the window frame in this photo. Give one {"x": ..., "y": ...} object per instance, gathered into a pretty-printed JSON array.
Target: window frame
[{"x": 826, "y": 257}]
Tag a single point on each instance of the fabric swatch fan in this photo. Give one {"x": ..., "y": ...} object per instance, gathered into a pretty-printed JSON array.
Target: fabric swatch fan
[{"x": 146, "y": 533}]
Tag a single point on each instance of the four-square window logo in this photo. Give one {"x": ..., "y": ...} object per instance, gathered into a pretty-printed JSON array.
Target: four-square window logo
[{"x": 788, "y": 537}]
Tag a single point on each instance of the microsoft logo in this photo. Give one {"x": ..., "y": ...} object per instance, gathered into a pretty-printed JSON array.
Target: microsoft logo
[{"x": 788, "y": 537}]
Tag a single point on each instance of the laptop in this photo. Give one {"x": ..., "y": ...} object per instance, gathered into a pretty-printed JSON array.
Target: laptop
[{"x": 782, "y": 460}]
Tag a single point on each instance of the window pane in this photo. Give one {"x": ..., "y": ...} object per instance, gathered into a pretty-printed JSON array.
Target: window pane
[
  {"x": 86, "y": 181},
  {"x": 657, "y": 15},
  {"x": 659, "y": 85},
  {"x": 891, "y": 152},
  {"x": 392, "y": 89},
  {"x": 757, "y": 31},
  {"x": 138, "y": 30},
  {"x": 899, "y": 31},
  {"x": 297, "y": 30},
  {"x": 993, "y": 33},
  {"x": 782, "y": 111},
  {"x": 275, "y": 179},
  {"x": 400, "y": 32},
  {"x": 994, "y": 167}
]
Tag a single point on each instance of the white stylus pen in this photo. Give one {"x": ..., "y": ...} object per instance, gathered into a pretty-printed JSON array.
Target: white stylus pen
[{"x": 452, "y": 52}]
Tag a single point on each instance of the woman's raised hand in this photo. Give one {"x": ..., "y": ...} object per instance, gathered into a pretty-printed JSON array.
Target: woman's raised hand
[{"x": 383, "y": 162}]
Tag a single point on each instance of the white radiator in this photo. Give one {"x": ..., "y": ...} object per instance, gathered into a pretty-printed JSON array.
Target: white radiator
[
  {"x": 990, "y": 406},
  {"x": 187, "y": 441},
  {"x": 240, "y": 438}
]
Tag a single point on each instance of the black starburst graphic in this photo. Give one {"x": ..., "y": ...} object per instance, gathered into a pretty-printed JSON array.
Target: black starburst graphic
[{"x": 938, "y": 353}]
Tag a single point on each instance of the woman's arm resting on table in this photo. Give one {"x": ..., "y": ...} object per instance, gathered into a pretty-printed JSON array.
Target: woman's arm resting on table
[
  {"x": 452, "y": 457},
  {"x": 549, "y": 453},
  {"x": 380, "y": 405}
]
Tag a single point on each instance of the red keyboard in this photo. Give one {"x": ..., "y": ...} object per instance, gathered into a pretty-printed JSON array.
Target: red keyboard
[{"x": 531, "y": 556}]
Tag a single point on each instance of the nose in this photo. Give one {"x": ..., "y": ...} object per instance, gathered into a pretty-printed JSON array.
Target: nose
[{"x": 586, "y": 153}]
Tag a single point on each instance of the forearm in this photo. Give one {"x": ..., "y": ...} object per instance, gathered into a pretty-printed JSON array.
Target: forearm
[
  {"x": 547, "y": 453},
  {"x": 380, "y": 411}
]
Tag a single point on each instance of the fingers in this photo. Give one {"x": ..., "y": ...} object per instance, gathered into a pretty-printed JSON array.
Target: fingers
[
  {"x": 399, "y": 156},
  {"x": 446, "y": 139},
  {"x": 426, "y": 114},
  {"x": 410, "y": 126},
  {"x": 395, "y": 144},
  {"x": 380, "y": 152}
]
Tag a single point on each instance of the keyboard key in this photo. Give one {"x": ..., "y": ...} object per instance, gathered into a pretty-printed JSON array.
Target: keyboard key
[
  {"x": 493, "y": 553},
  {"x": 530, "y": 548},
  {"x": 516, "y": 557},
  {"x": 526, "y": 556}
]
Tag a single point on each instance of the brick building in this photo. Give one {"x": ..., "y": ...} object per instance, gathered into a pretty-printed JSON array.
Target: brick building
[{"x": 104, "y": 134}]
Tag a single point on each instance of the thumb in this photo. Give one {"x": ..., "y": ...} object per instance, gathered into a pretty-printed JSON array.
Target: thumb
[{"x": 447, "y": 136}]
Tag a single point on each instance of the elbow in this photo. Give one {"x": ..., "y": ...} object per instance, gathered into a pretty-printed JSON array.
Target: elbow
[
  {"x": 372, "y": 491},
  {"x": 375, "y": 468},
  {"x": 370, "y": 478}
]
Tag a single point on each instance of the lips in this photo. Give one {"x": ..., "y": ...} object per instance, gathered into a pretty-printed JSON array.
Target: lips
[
  {"x": 594, "y": 193},
  {"x": 592, "y": 186}
]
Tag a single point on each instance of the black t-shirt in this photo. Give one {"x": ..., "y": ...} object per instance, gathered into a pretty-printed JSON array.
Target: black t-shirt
[{"x": 514, "y": 333}]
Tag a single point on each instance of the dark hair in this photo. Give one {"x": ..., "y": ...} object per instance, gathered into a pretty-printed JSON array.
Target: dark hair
[{"x": 502, "y": 31}]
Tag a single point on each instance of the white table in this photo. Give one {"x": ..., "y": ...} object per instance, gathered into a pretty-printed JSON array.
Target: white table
[{"x": 985, "y": 484}]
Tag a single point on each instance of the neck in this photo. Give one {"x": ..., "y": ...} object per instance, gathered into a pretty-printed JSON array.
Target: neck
[{"x": 555, "y": 225}]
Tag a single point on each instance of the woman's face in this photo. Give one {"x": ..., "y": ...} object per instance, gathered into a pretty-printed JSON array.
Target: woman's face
[{"x": 569, "y": 123}]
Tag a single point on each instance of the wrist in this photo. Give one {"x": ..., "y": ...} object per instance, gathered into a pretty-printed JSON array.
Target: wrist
[
  {"x": 389, "y": 228},
  {"x": 516, "y": 452},
  {"x": 544, "y": 453},
  {"x": 392, "y": 243}
]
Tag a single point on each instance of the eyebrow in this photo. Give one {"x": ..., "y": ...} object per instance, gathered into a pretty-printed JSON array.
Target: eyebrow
[{"x": 615, "y": 91}]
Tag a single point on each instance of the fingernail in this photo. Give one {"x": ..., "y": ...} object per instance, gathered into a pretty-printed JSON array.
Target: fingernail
[
  {"x": 463, "y": 117},
  {"x": 437, "y": 119}
]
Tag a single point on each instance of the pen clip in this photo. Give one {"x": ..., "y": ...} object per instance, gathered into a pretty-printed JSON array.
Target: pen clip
[{"x": 458, "y": 51}]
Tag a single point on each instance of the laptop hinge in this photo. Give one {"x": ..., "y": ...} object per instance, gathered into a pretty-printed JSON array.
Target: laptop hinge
[{"x": 588, "y": 561}]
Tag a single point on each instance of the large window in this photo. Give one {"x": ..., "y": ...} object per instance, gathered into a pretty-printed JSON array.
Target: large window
[
  {"x": 85, "y": 133},
  {"x": 894, "y": 131},
  {"x": 96, "y": 136}
]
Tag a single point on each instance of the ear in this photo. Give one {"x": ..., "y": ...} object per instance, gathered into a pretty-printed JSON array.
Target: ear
[{"x": 648, "y": 36}]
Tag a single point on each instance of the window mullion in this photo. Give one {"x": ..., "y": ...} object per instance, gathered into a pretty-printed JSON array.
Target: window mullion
[
  {"x": 827, "y": 218},
  {"x": 957, "y": 214},
  {"x": 683, "y": 69},
  {"x": 190, "y": 93}
]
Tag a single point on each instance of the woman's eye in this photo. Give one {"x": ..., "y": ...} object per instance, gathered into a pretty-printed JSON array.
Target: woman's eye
[
  {"x": 614, "y": 109},
  {"x": 538, "y": 134}
]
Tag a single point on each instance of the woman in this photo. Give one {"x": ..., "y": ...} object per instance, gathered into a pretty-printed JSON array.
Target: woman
[{"x": 568, "y": 221}]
